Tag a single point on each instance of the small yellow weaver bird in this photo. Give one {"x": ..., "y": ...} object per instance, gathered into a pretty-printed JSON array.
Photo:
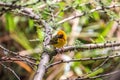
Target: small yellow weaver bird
[{"x": 59, "y": 40}]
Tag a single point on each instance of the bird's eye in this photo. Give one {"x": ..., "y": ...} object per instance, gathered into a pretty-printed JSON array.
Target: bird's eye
[{"x": 60, "y": 36}]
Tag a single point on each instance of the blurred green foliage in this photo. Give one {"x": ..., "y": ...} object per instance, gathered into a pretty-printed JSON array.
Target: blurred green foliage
[{"x": 92, "y": 27}]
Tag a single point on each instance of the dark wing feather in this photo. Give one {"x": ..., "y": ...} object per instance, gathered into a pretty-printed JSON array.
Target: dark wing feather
[{"x": 54, "y": 40}]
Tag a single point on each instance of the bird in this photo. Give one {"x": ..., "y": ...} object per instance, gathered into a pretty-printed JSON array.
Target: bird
[{"x": 59, "y": 40}]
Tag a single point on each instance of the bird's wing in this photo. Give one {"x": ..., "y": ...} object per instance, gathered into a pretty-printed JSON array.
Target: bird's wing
[{"x": 54, "y": 40}]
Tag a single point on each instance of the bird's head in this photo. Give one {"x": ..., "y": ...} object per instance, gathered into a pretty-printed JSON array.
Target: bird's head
[{"x": 61, "y": 34}]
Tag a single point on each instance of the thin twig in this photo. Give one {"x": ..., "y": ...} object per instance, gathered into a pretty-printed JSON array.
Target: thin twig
[
  {"x": 10, "y": 5},
  {"x": 102, "y": 63},
  {"x": 86, "y": 47},
  {"x": 23, "y": 10},
  {"x": 10, "y": 70},
  {"x": 99, "y": 66},
  {"x": 102, "y": 75},
  {"x": 22, "y": 58},
  {"x": 91, "y": 11},
  {"x": 15, "y": 53},
  {"x": 9, "y": 59},
  {"x": 82, "y": 59},
  {"x": 32, "y": 3}
]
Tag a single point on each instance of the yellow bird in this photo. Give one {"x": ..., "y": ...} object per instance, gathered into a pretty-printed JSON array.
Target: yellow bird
[{"x": 59, "y": 40}]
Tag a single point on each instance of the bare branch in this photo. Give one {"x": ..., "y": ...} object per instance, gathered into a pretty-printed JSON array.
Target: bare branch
[
  {"x": 99, "y": 76},
  {"x": 15, "y": 53},
  {"x": 9, "y": 59},
  {"x": 10, "y": 5},
  {"x": 82, "y": 59},
  {"x": 34, "y": 3},
  {"x": 23, "y": 10},
  {"x": 26, "y": 59},
  {"x": 103, "y": 63},
  {"x": 10, "y": 70},
  {"x": 91, "y": 11},
  {"x": 45, "y": 55},
  {"x": 86, "y": 47}
]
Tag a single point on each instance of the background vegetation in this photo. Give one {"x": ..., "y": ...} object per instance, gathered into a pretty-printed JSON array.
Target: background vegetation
[{"x": 84, "y": 21}]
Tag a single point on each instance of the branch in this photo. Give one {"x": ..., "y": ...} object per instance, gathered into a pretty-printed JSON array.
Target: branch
[
  {"x": 99, "y": 76},
  {"x": 91, "y": 11},
  {"x": 82, "y": 59},
  {"x": 10, "y": 70},
  {"x": 13, "y": 6},
  {"x": 99, "y": 65},
  {"x": 16, "y": 53},
  {"x": 27, "y": 59},
  {"x": 9, "y": 59},
  {"x": 86, "y": 47},
  {"x": 105, "y": 61},
  {"x": 23, "y": 10},
  {"x": 34, "y": 3},
  {"x": 45, "y": 55}
]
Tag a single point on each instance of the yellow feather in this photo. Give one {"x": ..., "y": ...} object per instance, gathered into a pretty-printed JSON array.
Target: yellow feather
[{"x": 59, "y": 40}]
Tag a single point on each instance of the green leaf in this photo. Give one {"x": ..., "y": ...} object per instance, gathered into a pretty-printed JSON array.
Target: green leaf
[
  {"x": 100, "y": 70},
  {"x": 78, "y": 70},
  {"x": 40, "y": 34},
  {"x": 104, "y": 32},
  {"x": 10, "y": 24},
  {"x": 96, "y": 15},
  {"x": 21, "y": 39},
  {"x": 31, "y": 23},
  {"x": 67, "y": 27}
]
